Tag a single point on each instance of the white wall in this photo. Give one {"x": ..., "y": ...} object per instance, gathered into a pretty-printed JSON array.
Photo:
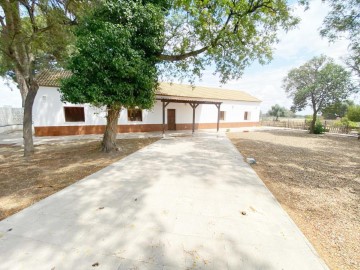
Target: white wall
[{"x": 48, "y": 111}]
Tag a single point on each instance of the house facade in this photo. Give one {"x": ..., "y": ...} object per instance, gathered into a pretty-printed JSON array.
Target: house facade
[{"x": 177, "y": 107}]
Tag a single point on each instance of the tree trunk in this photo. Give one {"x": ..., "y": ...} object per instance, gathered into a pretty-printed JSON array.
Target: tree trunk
[
  {"x": 27, "y": 121},
  {"x": 109, "y": 140},
  {"x": 22, "y": 86},
  {"x": 312, "y": 124}
]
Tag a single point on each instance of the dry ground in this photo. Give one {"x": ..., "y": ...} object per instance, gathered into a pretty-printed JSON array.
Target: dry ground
[
  {"x": 24, "y": 181},
  {"x": 316, "y": 178}
]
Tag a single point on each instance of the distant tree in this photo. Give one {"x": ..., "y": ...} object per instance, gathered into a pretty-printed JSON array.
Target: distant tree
[
  {"x": 277, "y": 111},
  {"x": 353, "y": 113},
  {"x": 118, "y": 44},
  {"x": 338, "y": 109},
  {"x": 318, "y": 83}
]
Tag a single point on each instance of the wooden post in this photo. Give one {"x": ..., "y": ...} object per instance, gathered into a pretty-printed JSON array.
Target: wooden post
[
  {"x": 163, "y": 124},
  {"x": 218, "y": 119}
]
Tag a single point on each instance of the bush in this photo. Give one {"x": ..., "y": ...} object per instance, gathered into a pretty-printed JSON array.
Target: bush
[
  {"x": 354, "y": 113},
  {"x": 346, "y": 122},
  {"x": 319, "y": 128}
]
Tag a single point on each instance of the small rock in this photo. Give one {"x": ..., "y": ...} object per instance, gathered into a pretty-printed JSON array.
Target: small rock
[
  {"x": 250, "y": 160},
  {"x": 101, "y": 208},
  {"x": 9, "y": 230},
  {"x": 95, "y": 264},
  {"x": 243, "y": 213},
  {"x": 135, "y": 199}
]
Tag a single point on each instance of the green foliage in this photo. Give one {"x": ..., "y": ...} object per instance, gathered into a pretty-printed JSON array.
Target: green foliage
[
  {"x": 319, "y": 128},
  {"x": 277, "y": 111},
  {"x": 342, "y": 21},
  {"x": 308, "y": 119},
  {"x": 228, "y": 35},
  {"x": 338, "y": 109},
  {"x": 118, "y": 44},
  {"x": 43, "y": 33},
  {"x": 318, "y": 83},
  {"x": 353, "y": 113}
]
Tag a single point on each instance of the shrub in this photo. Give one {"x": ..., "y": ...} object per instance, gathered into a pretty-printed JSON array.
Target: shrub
[
  {"x": 354, "y": 113},
  {"x": 319, "y": 128}
]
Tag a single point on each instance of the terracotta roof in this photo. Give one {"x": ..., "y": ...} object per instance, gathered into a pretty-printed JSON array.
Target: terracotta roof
[
  {"x": 51, "y": 78},
  {"x": 187, "y": 91}
]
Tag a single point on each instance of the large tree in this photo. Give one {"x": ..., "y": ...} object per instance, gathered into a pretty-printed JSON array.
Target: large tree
[
  {"x": 318, "y": 83},
  {"x": 229, "y": 35},
  {"x": 118, "y": 44},
  {"x": 34, "y": 35}
]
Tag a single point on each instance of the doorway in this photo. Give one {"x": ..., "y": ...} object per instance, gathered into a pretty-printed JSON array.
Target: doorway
[{"x": 171, "y": 119}]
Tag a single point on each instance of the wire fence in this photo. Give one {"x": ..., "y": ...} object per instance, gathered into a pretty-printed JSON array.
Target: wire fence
[{"x": 330, "y": 126}]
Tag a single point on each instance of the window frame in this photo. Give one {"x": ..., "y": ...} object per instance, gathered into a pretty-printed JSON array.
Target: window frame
[
  {"x": 247, "y": 116},
  {"x": 68, "y": 117},
  {"x": 222, "y": 116},
  {"x": 136, "y": 120}
]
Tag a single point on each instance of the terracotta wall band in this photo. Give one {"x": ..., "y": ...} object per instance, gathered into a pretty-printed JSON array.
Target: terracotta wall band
[{"x": 83, "y": 130}]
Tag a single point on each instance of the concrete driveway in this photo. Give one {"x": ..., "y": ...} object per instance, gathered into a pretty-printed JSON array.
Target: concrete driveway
[{"x": 180, "y": 203}]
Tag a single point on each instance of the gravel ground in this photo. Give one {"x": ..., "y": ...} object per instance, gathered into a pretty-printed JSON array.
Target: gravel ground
[
  {"x": 316, "y": 178},
  {"x": 54, "y": 166}
]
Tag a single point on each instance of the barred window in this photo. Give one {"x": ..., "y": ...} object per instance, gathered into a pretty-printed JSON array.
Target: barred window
[
  {"x": 74, "y": 114},
  {"x": 134, "y": 115}
]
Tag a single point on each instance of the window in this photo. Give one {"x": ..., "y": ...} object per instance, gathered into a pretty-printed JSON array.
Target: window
[
  {"x": 222, "y": 115},
  {"x": 134, "y": 115},
  {"x": 246, "y": 115},
  {"x": 74, "y": 114}
]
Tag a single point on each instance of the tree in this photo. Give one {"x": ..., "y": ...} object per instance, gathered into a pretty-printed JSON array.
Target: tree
[
  {"x": 118, "y": 44},
  {"x": 343, "y": 20},
  {"x": 338, "y": 109},
  {"x": 34, "y": 34},
  {"x": 353, "y": 113},
  {"x": 226, "y": 34},
  {"x": 190, "y": 36},
  {"x": 277, "y": 111},
  {"x": 318, "y": 83}
]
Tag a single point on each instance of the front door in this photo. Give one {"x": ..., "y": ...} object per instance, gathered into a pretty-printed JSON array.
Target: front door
[{"x": 171, "y": 119}]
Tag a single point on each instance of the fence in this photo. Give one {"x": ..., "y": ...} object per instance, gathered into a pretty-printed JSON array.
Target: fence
[
  {"x": 10, "y": 118},
  {"x": 330, "y": 126}
]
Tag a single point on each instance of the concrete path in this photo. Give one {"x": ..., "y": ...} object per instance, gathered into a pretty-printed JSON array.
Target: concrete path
[{"x": 176, "y": 204}]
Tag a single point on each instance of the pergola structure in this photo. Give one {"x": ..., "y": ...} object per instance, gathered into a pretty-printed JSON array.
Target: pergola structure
[{"x": 194, "y": 104}]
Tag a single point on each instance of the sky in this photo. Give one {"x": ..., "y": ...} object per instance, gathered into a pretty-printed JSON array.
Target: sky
[{"x": 262, "y": 81}]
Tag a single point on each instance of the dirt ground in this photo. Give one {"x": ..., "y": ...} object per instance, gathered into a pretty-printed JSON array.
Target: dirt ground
[
  {"x": 54, "y": 166},
  {"x": 316, "y": 178}
]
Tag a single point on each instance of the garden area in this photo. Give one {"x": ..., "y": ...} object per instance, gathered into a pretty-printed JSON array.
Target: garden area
[
  {"x": 24, "y": 181},
  {"x": 316, "y": 179}
]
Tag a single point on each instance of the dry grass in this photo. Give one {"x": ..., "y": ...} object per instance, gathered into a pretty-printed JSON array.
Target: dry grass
[
  {"x": 317, "y": 181},
  {"x": 53, "y": 167}
]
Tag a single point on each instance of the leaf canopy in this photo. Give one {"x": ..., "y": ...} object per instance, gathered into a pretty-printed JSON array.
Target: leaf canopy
[{"x": 117, "y": 49}]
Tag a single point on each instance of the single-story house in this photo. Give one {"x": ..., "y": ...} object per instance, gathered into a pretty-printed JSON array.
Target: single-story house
[{"x": 177, "y": 107}]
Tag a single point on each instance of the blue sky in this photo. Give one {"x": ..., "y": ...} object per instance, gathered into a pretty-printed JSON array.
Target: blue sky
[{"x": 295, "y": 48}]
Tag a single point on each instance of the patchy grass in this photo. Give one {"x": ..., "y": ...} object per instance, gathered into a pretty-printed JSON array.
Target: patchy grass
[
  {"x": 316, "y": 178},
  {"x": 53, "y": 167}
]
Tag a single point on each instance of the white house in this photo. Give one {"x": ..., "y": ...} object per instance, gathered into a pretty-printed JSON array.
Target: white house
[{"x": 177, "y": 107}]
